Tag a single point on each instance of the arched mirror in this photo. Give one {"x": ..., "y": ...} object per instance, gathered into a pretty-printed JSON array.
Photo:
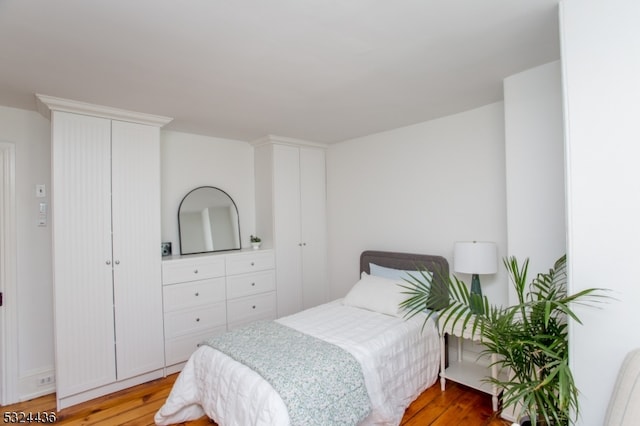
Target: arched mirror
[{"x": 208, "y": 221}]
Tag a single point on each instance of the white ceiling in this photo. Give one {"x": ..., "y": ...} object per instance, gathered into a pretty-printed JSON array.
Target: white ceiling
[{"x": 319, "y": 70}]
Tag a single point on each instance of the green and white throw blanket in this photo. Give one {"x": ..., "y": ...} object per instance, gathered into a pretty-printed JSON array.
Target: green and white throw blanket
[{"x": 320, "y": 383}]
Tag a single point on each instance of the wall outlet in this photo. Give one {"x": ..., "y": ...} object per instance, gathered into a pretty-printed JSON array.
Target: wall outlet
[{"x": 46, "y": 380}]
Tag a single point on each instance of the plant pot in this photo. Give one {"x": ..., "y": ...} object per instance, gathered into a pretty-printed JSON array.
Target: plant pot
[
  {"x": 526, "y": 421},
  {"x": 256, "y": 246}
]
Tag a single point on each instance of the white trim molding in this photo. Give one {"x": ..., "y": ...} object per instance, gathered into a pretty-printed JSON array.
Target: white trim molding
[
  {"x": 36, "y": 383},
  {"x": 282, "y": 140},
  {"x": 8, "y": 261},
  {"x": 46, "y": 104}
]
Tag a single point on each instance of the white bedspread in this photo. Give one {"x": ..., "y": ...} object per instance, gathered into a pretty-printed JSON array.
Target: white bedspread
[{"x": 399, "y": 360}]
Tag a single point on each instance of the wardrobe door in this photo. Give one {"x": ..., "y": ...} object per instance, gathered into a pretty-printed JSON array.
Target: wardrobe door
[
  {"x": 313, "y": 225},
  {"x": 136, "y": 248},
  {"x": 287, "y": 238},
  {"x": 81, "y": 218}
]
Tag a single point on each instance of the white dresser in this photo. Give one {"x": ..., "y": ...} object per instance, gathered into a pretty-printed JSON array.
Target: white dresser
[{"x": 208, "y": 294}]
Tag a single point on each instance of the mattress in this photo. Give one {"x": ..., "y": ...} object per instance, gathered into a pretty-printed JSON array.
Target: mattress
[{"x": 399, "y": 360}]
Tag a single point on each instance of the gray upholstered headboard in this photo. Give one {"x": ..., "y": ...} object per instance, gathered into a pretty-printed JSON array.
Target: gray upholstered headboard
[{"x": 438, "y": 265}]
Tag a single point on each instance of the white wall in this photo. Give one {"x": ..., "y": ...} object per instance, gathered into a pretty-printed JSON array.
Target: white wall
[
  {"x": 601, "y": 65},
  {"x": 30, "y": 132},
  {"x": 534, "y": 146},
  {"x": 190, "y": 161},
  {"x": 418, "y": 189}
]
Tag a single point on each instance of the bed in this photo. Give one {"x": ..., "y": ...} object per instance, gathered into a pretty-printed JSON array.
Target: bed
[{"x": 396, "y": 359}]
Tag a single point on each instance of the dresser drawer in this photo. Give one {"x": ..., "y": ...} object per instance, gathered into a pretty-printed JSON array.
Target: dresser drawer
[
  {"x": 252, "y": 308},
  {"x": 187, "y": 321},
  {"x": 250, "y": 284},
  {"x": 250, "y": 262},
  {"x": 192, "y": 294},
  {"x": 180, "y": 349},
  {"x": 192, "y": 269}
]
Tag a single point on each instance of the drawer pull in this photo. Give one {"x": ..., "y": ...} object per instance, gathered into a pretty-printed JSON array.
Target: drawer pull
[
  {"x": 197, "y": 294},
  {"x": 195, "y": 271},
  {"x": 253, "y": 284},
  {"x": 197, "y": 319},
  {"x": 254, "y": 306},
  {"x": 252, "y": 263}
]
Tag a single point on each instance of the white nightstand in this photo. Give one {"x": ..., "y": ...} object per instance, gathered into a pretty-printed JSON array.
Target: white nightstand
[{"x": 466, "y": 372}]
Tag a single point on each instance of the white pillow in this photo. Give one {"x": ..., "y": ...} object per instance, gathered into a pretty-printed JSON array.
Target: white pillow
[{"x": 377, "y": 294}]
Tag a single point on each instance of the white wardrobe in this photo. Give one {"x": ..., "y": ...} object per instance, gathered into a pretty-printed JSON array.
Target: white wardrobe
[
  {"x": 291, "y": 216},
  {"x": 108, "y": 316}
]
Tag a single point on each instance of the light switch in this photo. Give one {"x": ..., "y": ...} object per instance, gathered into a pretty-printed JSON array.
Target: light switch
[
  {"x": 41, "y": 191},
  {"x": 42, "y": 215}
]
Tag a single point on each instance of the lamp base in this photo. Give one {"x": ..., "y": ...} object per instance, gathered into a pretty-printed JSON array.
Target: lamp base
[{"x": 475, "y": 296}]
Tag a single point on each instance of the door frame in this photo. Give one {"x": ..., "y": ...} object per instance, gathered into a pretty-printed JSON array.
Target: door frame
[{"x": 8, "y": 286}]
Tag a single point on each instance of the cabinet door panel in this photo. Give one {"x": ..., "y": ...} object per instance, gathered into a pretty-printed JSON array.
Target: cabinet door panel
[
  {"x": 136, "y": 248},
  {"x": 286, "y": 206},
  {"x": 83, "y": 292},
  {"x": 250, "y": 284},
  {"x": 195, "y": 320},
  {"x": 313, "y": 226},
  {"x": 193, "y": 293},
  {"x": 244, "y": 263},
  {"x": 180, "y": 348},
  {"x": 192, "y": 269},
  {"x": 248, "y": 309}
]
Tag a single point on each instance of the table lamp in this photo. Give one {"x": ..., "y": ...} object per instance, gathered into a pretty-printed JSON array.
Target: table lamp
[{"x": 475, "y": 258}]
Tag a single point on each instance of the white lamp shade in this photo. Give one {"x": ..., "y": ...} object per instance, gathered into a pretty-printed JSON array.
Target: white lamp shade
[{"x": 475, "y": 257}]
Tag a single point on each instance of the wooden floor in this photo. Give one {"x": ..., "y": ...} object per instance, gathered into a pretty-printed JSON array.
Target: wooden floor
[{"x": 458, "y": 405}]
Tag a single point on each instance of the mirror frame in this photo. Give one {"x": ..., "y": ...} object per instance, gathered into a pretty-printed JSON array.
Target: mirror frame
[{"x": 237, "y": 216}]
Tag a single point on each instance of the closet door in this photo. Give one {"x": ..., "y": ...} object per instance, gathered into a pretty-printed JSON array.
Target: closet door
[
  {"x": 287, "y": 225},
  {"x": 313, "y": 226},
  {"x": 81, "y": 217},
  {"x": 136, "y": 248},
  {"x": 299, "y": 212}
]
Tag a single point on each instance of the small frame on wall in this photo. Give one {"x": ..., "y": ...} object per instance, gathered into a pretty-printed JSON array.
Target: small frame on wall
[{"x": 166, "y": 249}]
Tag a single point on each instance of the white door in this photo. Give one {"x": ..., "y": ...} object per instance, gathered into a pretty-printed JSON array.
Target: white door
[
  {"x": 83, "y": 290},
  {"x": 136, "y": 248},
  {"x": 313, "y": 226},
  {"x": 287, "y": 240}
]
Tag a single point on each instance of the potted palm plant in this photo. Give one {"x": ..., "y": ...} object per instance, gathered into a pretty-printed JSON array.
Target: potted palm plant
[{"x": 529, "y": 338}]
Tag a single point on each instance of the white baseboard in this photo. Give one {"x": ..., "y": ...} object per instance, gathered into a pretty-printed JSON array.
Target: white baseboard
[
  {"x": 36, "y": 383},
  {"x": 509, "y": 414},
  {"x": 68, "y": 401}
]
